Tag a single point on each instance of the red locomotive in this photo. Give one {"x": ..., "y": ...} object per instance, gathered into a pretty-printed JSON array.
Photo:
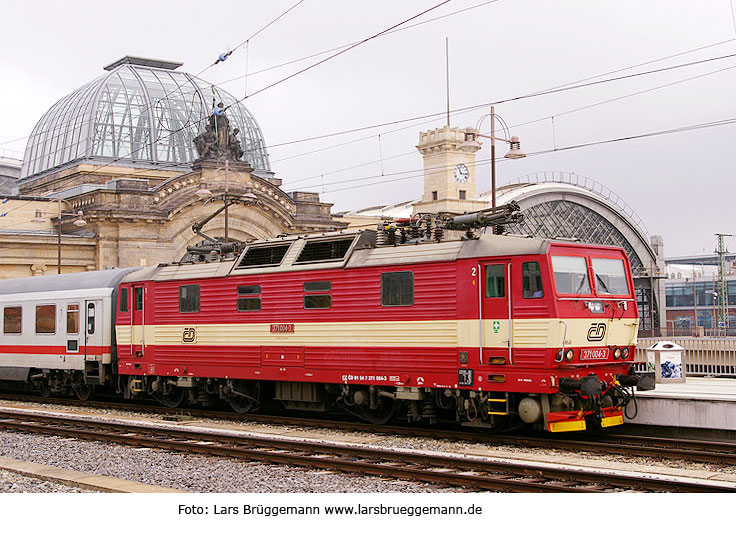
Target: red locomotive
[{"x": 486, "y": 331}]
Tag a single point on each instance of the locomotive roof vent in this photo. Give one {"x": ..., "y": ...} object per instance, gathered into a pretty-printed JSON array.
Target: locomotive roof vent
[{"x": 264, "y": 256}]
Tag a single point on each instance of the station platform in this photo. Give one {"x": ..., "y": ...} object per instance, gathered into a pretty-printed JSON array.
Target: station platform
[{"x": 698, "y": 406}]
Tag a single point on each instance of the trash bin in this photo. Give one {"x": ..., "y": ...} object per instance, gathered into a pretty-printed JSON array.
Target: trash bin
[{"x": 665, "y": 359}]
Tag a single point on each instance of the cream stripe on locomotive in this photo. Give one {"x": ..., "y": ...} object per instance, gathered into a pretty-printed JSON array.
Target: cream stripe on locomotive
[{"x": 540, "y": 333}]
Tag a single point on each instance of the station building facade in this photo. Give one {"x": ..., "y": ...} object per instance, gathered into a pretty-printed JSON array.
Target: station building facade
[{"x": 121, "y": 149}]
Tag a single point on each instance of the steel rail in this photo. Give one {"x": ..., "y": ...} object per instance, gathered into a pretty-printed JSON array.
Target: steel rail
[
  {"x": 483, "y": 474},
  {"x": 691, "y": 450}
]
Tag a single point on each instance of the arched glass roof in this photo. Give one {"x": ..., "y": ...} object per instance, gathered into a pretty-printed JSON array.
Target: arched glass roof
[{"x": 137, "y": 114}]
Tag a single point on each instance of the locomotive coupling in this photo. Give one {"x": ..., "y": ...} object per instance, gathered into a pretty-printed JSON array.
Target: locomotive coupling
[{"x": 589, "y": 386}]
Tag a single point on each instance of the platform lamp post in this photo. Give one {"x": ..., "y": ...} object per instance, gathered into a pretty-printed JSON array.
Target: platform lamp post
[
  {"x": 513, "y": 141},
  {"x": 78, "y": 222}
]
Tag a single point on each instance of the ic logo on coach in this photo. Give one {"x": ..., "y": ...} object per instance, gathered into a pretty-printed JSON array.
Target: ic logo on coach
[
  {"x": 189, "y": 335},
  {"x": 597, "y": 332}
]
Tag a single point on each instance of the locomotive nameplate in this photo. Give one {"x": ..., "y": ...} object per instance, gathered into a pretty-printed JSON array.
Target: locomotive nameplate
[
  {"x": 282, "y": 328},
  {"x": 594, "y": 354}
]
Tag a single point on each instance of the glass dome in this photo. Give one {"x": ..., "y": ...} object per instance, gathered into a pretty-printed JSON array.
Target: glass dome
[{"x": 140, "y": 113}]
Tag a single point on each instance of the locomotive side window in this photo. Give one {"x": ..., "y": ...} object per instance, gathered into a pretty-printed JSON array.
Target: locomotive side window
[
  {"x": 319, "y": 299},
  {"x": 124, "y": 299},
  {"x": 397, "y": 289},
  {"x": 189, "y": 299},
  {"x": 12, "y": 320},
  {"x": 495, "y": 281},
  {"x": 46, "y": 319},
  {"x": 249, "y": 298},
  {"x": 571, "y": 275},
  {"x": 72, "y": 318},
  {"x": 610, "y": 276},
  {"x": 138, "y": 295},
  {"x": 532, "y": 280}
]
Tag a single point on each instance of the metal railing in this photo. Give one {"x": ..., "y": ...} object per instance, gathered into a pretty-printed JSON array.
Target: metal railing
[{"x": 703, "y": 356}]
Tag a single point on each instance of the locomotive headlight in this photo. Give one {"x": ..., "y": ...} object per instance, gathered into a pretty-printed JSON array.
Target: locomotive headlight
[
  {"x": 558, "y": 356},
  {"x": 569, "y": 355},
  {"x": 616, "y": 353},
  {"x": 596, "y": 306},
  {"x": 625, "y": 353}
]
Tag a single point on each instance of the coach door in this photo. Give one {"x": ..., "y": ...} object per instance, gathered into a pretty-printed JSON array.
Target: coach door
[
  {"x": 93, "y": 345},
  {"x": 138, "y": 339},
  {"x": 496, "y": 312}
]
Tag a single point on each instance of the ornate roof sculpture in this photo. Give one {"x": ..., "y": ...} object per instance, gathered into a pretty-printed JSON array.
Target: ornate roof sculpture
[{"x": 140, "y": 113}]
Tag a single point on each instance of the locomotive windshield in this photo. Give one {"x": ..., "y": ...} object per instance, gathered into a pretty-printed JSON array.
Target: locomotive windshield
[
  {"x": 610, "y": 276},
  {"x": 571, "y": 275}
]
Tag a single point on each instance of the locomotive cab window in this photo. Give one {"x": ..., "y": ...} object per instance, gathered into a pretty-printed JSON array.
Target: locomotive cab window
[
  {"x": 46, "y": 319},
  {"x": 249, "y": 298},
  {"x": 123, "y": 299},
  {"x": 317, "y": 295},
  {"x": 495, "y": 281},
  {"x": 12, "y": 320},
  {"x": 138, "y": 295},
  {"x": 610, "y": 276},
  {"x": 397, "y": 289},
  {"x": 189, "y": 299},
  {"x": 532, "y": 280},
  {"x": 571, "y": 275}
]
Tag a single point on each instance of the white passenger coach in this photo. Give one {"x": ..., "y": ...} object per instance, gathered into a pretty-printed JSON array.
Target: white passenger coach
[{"x": 58, "y": 330}]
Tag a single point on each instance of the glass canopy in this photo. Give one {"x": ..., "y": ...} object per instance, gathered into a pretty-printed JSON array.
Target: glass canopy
[{"x": 140, "y": 115}]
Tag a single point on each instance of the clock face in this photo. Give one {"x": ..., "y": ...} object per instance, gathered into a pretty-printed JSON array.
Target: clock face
[{"x": 461, "y": 173}]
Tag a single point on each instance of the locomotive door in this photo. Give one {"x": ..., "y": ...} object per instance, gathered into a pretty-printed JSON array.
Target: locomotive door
[
  {"x": 495, "y": 317},
  {"x": 93, "y": 345},
  {"x": 137, "y": 321}
]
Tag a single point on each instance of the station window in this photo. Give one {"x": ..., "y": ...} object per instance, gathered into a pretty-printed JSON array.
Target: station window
[
  {"x": 495, "y": 281},
  {"x": 249, "y": 298},
  {"x": 462, "y": 194},
  {"x": 46, "y": 319},
  {"x": 124, "y": 299},
  {"x": 12, "y": 320},
  {"x": 317, "y": 295},
  {"x": 72, "y": 318},
  {"x": 397, "y": 289},
  {"x": 189, "y": 299},
  {"x": 532, "y": 280}
]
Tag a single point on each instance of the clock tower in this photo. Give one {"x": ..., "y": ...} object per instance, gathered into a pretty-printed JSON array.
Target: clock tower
[{"x": 449, "y": 172}]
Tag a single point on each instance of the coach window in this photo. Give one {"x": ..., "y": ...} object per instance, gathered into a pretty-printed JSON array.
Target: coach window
[
  {"x": 46, "y": 319},
  {"x": 123, "y": 299},
  {"x": 249, "y": 298},
  {"x": 189, "y": 299},
  {"x": 610, "y": 276},
  {"x": 495, "y": 281},
  {"x": 138, "y": 295},
  {"x": 532, "y": 280},
  {"x": 72, "y": 318},
  {"x": 397, "y": 289},
  {"x": 317, "y": 295},
  {"x": 12, "y": 320},
  {"x": 91, "y": 318}
]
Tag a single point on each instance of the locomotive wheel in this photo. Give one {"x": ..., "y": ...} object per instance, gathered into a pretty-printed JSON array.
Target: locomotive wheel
[
  {"x": 83, "y": 393},
  {"x": 245, "y": 399},
  {"x": 383, "y": 414},
  {"x": 173, "y": 398},
  {"x": 45, "y": 390}
]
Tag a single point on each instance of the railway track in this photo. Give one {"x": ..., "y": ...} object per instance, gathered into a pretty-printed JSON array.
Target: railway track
[
  {"x": 452, "y": 470},
  {"x": 691, "y": 450}
]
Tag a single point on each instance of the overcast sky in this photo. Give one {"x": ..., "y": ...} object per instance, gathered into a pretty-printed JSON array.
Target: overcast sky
[{"x": 680, "y": 184}]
